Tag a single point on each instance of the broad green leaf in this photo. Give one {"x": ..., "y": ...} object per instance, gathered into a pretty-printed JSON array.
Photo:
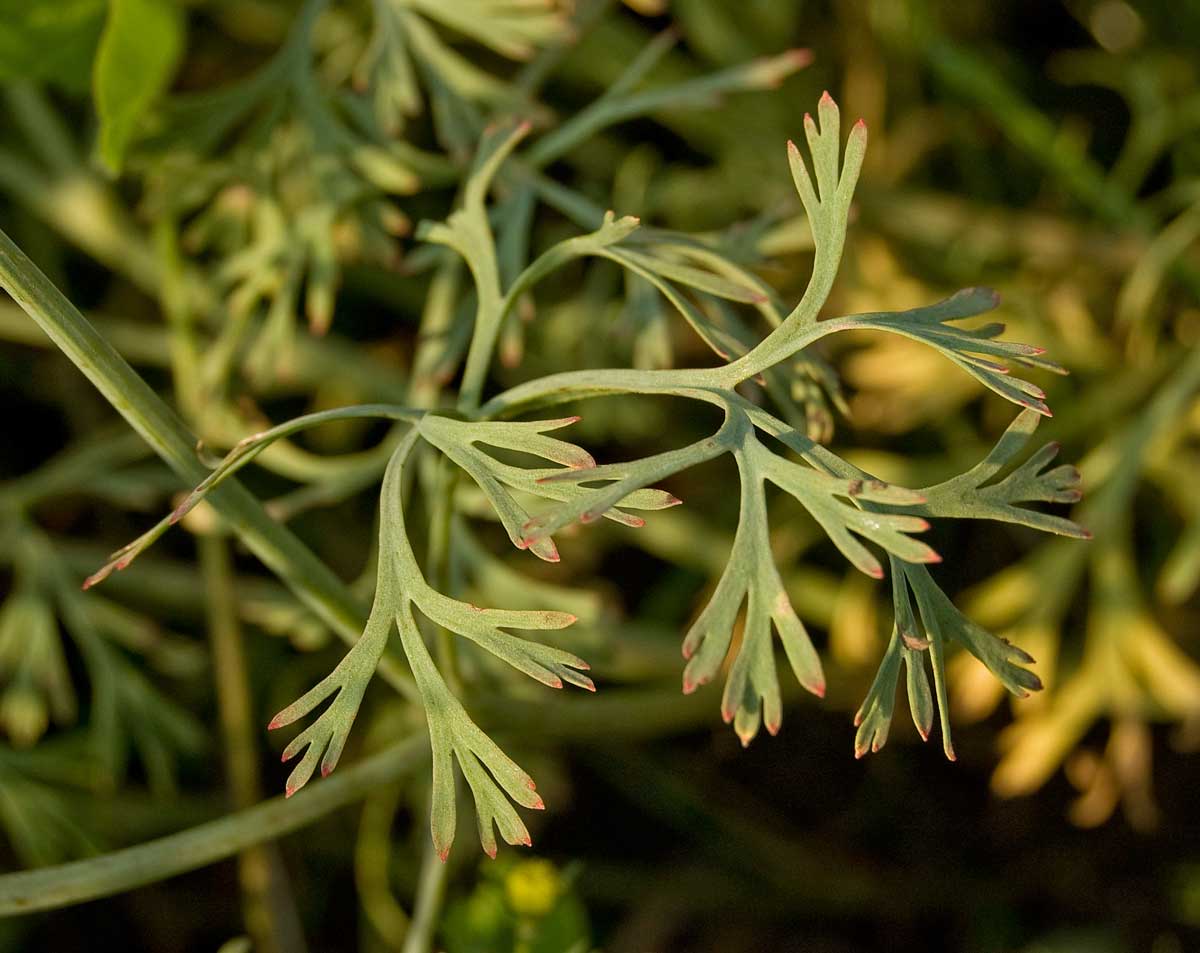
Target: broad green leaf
[{"x": 139, "y": 49}]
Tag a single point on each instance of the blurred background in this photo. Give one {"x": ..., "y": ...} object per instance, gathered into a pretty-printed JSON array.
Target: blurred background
[{"x": 238, "y": 223}]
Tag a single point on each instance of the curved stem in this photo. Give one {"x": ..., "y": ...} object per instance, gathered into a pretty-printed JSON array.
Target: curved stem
[{"x": 66, "y": 884}]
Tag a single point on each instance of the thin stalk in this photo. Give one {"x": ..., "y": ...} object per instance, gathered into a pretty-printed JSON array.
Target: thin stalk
[
  {"x": 431, "y": 891},
  {"x": 309, "y": 578},
  {"x": 269, "y": 908},
  {"x": 704, "y": 383},
  {"x": 372, "y": 855},
  {"x": 50, "y": 888}
]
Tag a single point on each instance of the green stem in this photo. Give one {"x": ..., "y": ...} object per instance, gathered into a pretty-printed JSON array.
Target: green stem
[
  {"x": 312, "y": 581},
  {"x": 710, "y": 384},
  {"x": 268, "y": 905},
  {"x": 82, "y": 880},
  {"x": 431, "y": 891}
]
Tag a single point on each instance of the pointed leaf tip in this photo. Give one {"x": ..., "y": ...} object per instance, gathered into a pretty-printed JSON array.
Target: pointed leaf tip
[
  {"x": 538, "y": 805},
  {"x": 443, "y": 853},
  {"x": 825, "y": 97}
]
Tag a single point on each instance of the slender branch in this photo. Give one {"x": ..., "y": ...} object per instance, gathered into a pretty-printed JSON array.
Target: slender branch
[
  {"x": 431, "y": 891},
  {"x": 268, "y": 906}
]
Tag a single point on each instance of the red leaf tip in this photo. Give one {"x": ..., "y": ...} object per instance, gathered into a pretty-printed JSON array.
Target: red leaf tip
[
  {"x": 444, "y": 852},
  {"x": 276, "y": 722},
  {"x": 825, "y": 97},
  {"x": 538, "y": 805},
  {"x": 819, "y": 690}
]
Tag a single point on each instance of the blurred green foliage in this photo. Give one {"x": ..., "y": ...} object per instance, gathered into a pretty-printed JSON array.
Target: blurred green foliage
[{"x": 1050, "y": 150}]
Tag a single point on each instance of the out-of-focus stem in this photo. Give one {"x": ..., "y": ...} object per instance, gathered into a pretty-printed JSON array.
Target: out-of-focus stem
[
  {"x": 372, "y": 854},
  {"x": 268, "y": 906},
  {"x": 431, "y": 891},
  {"x": 51, "y": 887}
]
